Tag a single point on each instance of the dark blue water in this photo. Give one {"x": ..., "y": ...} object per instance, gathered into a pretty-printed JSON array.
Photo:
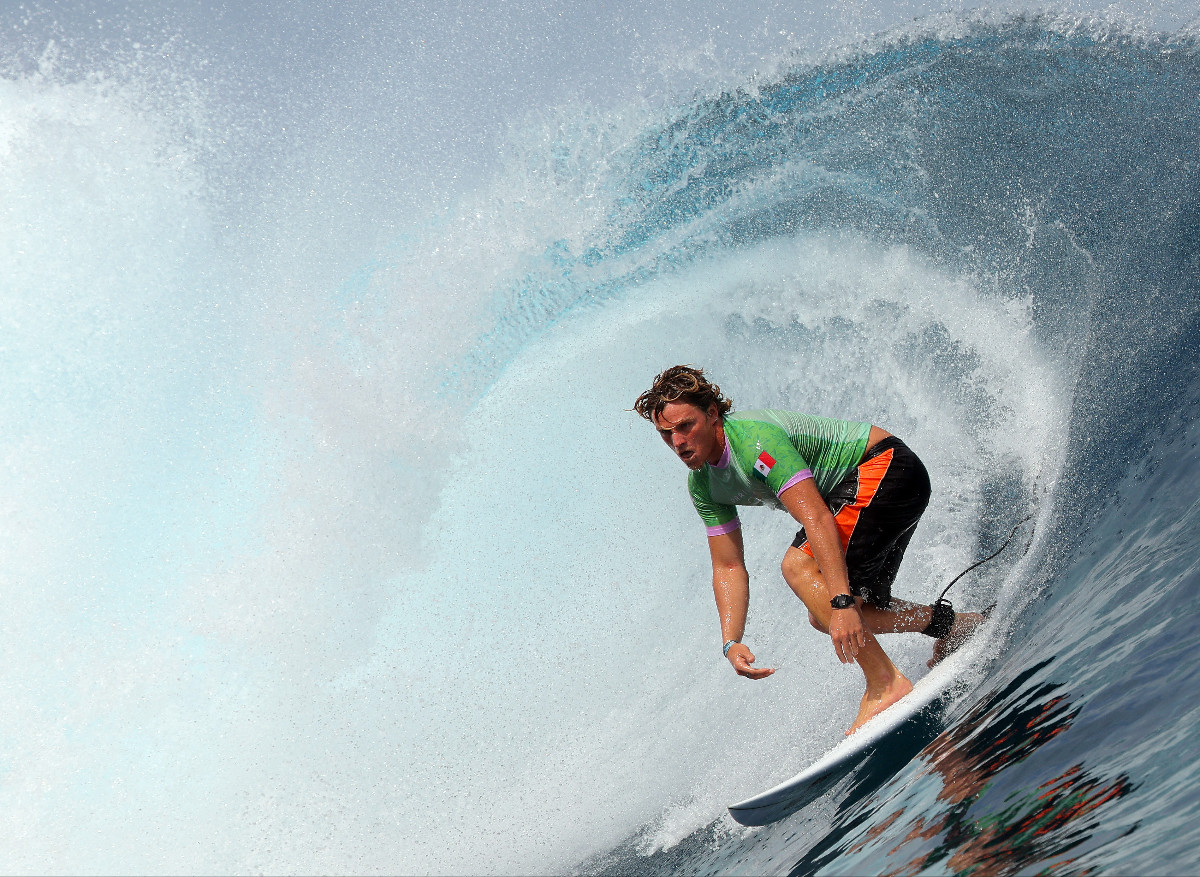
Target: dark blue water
[{"x": 1067, "y": 166}]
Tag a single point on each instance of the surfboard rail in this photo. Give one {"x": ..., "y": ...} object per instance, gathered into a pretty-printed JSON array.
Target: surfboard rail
[{"x": 816, "y": 779}]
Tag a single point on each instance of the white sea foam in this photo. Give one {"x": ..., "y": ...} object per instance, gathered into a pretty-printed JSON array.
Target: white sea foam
[{"x": 293, "y": 583}]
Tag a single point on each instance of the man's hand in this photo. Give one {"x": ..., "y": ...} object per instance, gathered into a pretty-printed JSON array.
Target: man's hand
[
  {"x": 741, "y": 657},
  {"x": 847, "y": 632}
]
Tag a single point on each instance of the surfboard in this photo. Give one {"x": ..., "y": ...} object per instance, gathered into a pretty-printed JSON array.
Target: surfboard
[{"x": 882, "y": 733}]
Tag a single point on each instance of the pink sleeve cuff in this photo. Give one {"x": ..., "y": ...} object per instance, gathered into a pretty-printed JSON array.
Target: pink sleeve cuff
[
  {"x": 722, "y": 529},
  {"x": 796, "y": 479}
]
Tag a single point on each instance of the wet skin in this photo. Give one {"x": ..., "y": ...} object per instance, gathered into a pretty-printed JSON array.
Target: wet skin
[
  {"x": 693, "y": 434},
  {"x": 697, "y": 437}
]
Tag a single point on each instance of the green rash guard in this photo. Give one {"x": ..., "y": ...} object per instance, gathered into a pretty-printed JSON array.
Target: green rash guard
[{"x": 766, "y": 452}]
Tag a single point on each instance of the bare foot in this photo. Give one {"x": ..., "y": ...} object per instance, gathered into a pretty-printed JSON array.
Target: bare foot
[
  {"x": 873, "y": 705},
  {"x": 964, "y": 627}
]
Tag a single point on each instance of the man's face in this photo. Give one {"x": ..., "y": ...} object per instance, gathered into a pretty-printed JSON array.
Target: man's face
[{"x": 691, "y": 432}]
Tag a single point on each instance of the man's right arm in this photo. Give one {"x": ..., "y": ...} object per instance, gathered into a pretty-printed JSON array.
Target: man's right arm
[{"x": 731, "y": 587}]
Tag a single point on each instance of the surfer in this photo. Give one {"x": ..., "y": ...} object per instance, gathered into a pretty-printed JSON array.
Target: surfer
[{"x": 857, "y": 492}]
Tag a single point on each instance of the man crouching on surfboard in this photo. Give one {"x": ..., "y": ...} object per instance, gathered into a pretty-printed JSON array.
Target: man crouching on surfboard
[{"x": 856, "y": 490}]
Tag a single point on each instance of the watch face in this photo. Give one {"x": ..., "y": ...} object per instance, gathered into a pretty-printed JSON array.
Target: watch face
[{"x": 842, "y": 601}]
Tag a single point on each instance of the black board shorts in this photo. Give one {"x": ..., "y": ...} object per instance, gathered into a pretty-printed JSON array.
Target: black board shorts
[{"x": 876, "y": 508}]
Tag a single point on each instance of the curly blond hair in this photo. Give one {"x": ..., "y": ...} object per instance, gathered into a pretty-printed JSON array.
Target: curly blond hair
[{"x": 681, "y": 383}]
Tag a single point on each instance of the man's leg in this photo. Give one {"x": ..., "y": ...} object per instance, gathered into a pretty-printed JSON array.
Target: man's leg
[
  {"x": 900, "y": 616},
  {"x": 904, "y": 617},
  {"x": 885, "y": 684}
]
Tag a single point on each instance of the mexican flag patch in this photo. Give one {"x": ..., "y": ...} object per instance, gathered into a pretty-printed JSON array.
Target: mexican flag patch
[{"x": 763, "y": 465}]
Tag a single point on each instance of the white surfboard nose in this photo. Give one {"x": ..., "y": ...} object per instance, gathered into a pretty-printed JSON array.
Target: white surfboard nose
[{"x": 822, "y": 775}]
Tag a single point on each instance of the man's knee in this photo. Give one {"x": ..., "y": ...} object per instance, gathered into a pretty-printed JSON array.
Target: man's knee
[
  {"x": 798, "y": 566},
  {"x": 812, "y": 619}
]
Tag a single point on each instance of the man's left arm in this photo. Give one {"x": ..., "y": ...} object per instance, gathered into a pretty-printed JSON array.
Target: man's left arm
[{"x": 804, "y": 503}]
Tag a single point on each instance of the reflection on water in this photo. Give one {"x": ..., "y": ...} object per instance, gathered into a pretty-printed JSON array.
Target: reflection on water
[
  {"x": 968, "y": 835},
  {"x": 963, "y": 811}
]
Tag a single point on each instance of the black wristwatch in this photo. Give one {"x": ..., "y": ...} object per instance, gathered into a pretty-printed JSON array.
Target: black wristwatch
[{"x": 842, "y": 601}]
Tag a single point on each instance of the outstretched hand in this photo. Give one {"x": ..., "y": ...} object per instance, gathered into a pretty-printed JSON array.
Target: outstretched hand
[
  {"x": 741, "y": 657},
  {"x": 848, "y": 634}
]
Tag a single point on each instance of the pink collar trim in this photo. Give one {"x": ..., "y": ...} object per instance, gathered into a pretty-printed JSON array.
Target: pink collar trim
[{"x": 723, "y": 463}]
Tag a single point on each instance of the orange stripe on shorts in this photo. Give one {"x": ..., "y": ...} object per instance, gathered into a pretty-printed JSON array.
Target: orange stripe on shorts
[{"x": 870, "y": 476}]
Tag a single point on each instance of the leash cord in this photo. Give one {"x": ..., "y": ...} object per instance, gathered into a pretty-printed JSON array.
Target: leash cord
[{"x": 994, "y": 554}]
